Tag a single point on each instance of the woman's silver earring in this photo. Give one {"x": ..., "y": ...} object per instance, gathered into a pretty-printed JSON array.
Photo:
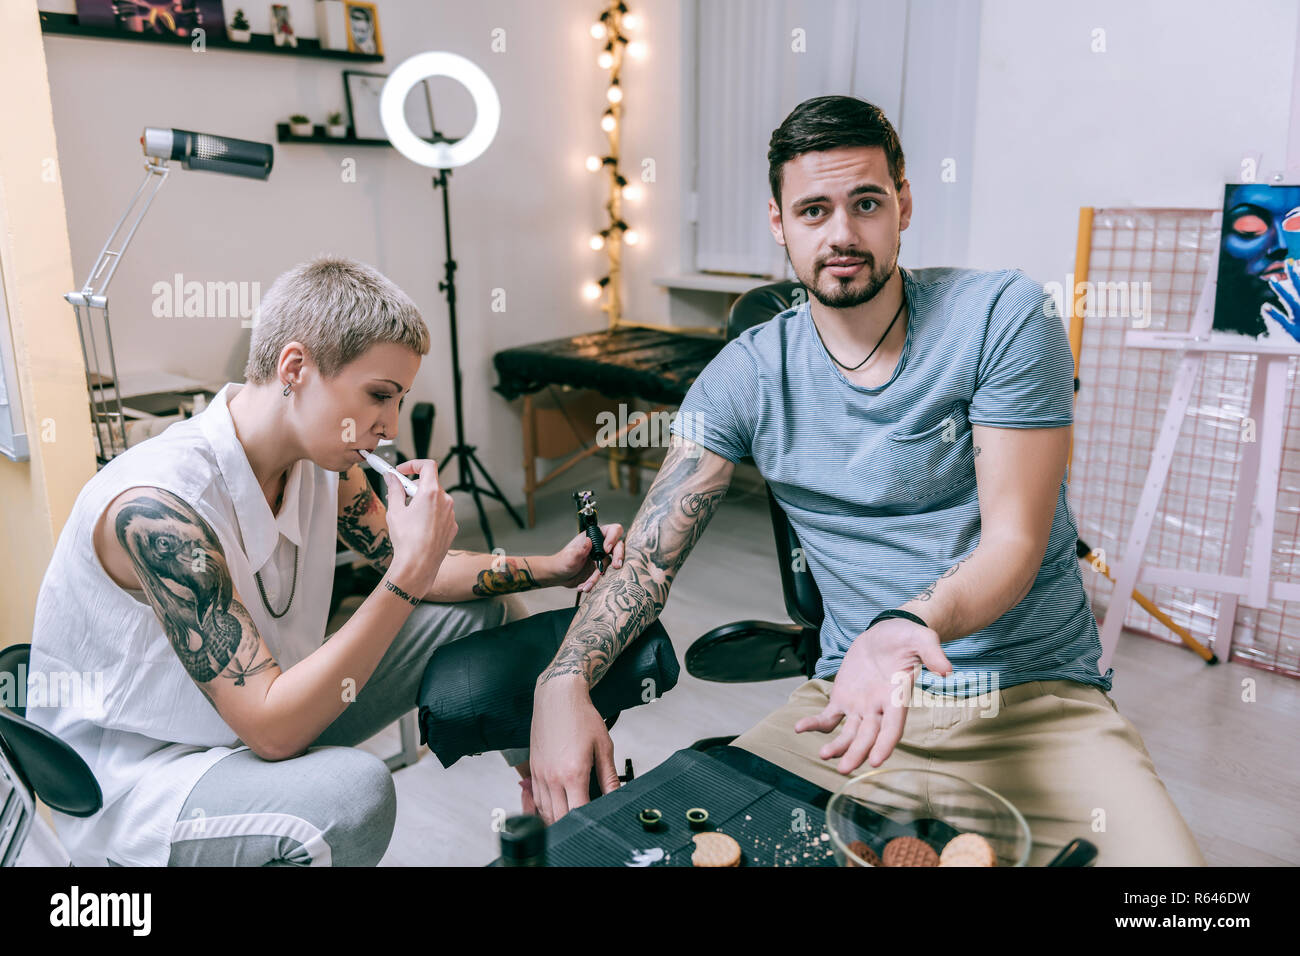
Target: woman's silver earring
[{"x": 286, "y": 389}]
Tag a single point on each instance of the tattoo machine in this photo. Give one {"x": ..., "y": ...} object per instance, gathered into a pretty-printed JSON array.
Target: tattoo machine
[{"x": 589, "y": 525}]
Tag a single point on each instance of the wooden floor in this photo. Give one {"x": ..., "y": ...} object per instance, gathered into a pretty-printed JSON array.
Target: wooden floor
[{"x": 1230, "y": 766}]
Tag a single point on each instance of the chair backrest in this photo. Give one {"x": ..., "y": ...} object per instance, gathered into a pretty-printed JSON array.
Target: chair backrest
[
  {"x": 803, "y": 602},
  {"x": 43, "y": 763},
  {"x": 759, "y": 305}
]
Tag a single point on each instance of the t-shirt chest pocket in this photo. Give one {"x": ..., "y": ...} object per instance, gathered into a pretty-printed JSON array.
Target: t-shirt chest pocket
[{"x": 935, "y": 462}]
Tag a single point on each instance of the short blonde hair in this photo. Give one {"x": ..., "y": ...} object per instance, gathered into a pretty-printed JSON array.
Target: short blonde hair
[{"x": 337, "y": 308}]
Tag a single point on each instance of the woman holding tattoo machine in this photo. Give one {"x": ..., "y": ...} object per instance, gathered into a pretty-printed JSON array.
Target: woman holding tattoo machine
[{"x": 193, "y": 578}]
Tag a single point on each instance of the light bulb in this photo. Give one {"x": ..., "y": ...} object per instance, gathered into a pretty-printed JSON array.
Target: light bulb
[
  {"x": 631, "y": 237},
  {"x": 631, "y": 21},
  {"x": 636, "y": 49},
  {"x": 593, "y": 163},
  {"x": 598, "y": 242},
  {"x": 614, "y": 94},
  {"x": 605, "y": 60},
  {"x": 591, "y": 291},
  {"x": 598, "y": 31},
  {"x": 607, "y": 122},
  {"x": 632, "y": 192}
]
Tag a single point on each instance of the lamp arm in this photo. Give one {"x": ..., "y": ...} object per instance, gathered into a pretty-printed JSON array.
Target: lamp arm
[{"x": 101, "y": 274}]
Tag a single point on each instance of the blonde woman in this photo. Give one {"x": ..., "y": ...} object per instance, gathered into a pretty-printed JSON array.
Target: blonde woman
[{"x": 193, "y": 580}]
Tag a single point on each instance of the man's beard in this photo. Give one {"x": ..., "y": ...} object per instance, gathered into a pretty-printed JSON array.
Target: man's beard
[{"x": 841, "y": 294}]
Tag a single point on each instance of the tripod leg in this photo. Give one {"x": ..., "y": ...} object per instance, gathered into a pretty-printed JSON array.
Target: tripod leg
[
  {"x": 493, "y": 485},
  {"x": 482, "y": 515}
]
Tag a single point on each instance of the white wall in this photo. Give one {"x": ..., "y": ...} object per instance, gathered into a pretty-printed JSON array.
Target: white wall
[
  {"x": 522, "y": 213},
  {"x": 1184, "y": 90}
]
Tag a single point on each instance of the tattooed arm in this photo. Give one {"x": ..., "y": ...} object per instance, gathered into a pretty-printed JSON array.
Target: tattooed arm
[
  {"x": 1019, "y": 473},
  {"x": 463, "y": 575},
  {"x": 150, "y": 539},
  {"x": 568, "y": 736}
]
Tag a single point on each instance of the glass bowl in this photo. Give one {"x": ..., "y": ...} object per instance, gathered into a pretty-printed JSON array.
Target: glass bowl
[{"x": 877, "y": 806}]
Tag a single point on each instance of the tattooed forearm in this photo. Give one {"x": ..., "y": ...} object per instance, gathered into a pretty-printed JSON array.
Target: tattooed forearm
[
  {"x": 355, "y": 531},
  {"x": 504, "y": 577},
  {"x": 613, "y": 617},
  {"x": 929, "y": 592},
  {"x": 182, "y": 569},
  {"x": 676, "y": 510}
]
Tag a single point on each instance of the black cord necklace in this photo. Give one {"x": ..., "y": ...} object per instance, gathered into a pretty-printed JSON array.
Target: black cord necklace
[{"x": 902, "y": 305}]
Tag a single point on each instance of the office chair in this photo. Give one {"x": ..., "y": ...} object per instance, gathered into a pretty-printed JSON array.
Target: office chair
[
  {"x": 747, "y": 651},
  {"x": 35, "y": 763}
]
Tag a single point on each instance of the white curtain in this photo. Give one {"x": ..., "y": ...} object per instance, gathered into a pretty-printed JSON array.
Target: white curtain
[{"x": 755, "y": 60}]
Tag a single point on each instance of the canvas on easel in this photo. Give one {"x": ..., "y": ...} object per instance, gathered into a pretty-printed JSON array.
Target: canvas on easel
[
  {"x": 1258, "y": 295},
  {"x": 1253, "y": 313}
]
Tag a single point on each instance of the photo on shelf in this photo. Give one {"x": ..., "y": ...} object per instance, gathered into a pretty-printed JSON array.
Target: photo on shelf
[
  {"x": 175, "y": 17},
  {"x": 1258, "y": 292},
  {"x": 282, "y": 27},
  {"x": 363, "y": 27}
]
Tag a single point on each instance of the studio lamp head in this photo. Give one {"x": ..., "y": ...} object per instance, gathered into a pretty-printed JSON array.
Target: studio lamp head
[{"x": 217, "y": 154}]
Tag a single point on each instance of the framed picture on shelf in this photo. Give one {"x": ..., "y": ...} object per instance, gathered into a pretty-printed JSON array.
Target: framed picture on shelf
[
  {"x": 363, "y": 27},
  {"x": 362, "y": 90},
  {"x": 282, "y": 26},
  {"x": 175, "y": 17}
]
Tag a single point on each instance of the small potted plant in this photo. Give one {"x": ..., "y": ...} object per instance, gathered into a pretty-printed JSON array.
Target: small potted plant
[
  {"x": 300, "y": 125},
  {"x": 334, "y": 125},
  {"x": 239, "y": 31}
]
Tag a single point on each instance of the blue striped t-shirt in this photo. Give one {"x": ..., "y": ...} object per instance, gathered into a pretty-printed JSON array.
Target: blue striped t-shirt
[{"x": 879, "y": 483}]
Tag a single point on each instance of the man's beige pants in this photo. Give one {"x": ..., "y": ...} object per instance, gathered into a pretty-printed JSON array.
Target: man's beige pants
[{"x": 1058, "y": 750}]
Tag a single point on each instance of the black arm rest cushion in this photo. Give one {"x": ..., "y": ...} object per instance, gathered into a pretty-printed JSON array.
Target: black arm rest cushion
[{"x": 477, "y": 692}]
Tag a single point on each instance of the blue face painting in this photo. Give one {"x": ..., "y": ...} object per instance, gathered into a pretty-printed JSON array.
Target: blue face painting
[
  {"x": 1261, "y": 228},
  {"x": 1261, "y": 231}
]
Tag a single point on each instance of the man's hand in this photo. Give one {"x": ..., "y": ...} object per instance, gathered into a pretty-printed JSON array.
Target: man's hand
[
  {"x": 574, "y": 567},
  {"x": 568, "y": 738},
  {"x": 872, "y": 690}
]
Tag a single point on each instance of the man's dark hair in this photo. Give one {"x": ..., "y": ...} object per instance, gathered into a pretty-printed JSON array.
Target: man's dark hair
[{"x": 829, "y": 122}]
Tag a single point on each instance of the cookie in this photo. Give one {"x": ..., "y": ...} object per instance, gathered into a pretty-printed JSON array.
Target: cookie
[
  {"x": 909, "y": 851},
  {"x": 968, "y": 849},
  {"x": 860, "y": 849},
  {"x": 715, "y": 849}
]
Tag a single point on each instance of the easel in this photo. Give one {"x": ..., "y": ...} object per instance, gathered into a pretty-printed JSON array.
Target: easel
[{"x": 1260, "y": 469}]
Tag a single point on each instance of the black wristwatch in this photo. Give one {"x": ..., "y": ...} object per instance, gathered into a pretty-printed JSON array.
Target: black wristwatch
[{"x": 896, "y": 612}]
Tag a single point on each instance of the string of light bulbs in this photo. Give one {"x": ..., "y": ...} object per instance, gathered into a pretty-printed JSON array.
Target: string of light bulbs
[{"x": 613, "y": 27}]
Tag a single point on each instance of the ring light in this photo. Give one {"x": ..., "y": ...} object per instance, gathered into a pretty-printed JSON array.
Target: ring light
[{"x": 392, "y": 110}]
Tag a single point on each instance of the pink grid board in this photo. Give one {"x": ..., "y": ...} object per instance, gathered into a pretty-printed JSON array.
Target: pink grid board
[{"x": 1117, "y": 416}]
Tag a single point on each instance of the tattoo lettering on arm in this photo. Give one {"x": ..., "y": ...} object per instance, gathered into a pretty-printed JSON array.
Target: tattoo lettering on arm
[
  {"x": 687, "y": 491},
  {"x": 182, "y": 569},
  {"x": 929, "y": 591},
  {"x": 356, "y": 528}
]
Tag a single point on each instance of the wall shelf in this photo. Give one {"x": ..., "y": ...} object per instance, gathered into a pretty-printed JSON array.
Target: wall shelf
[
  {"x": 282, "y": 135},
  {"x": 67, "y": 24}
]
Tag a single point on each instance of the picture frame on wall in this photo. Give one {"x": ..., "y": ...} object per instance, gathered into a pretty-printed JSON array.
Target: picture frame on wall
[
  {"x": 361, "y": 92},
  {"x": 363, "y": 27},
  {"x": 155, "y": 16}
]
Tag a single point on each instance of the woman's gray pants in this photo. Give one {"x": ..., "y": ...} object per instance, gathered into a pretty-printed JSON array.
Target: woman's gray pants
[{"x": 335, "y": 805}]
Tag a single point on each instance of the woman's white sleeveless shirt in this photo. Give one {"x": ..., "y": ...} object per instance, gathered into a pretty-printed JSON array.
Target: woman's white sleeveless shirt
[{"x": 125, "y": 702}]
